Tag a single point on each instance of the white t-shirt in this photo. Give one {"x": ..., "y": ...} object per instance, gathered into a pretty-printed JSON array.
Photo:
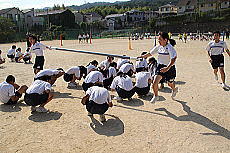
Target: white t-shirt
[
  {"x": 126, "y": 67},
  {"x": 38, "y": 48},
  {"x": 112, "y": 72},
  {"x": 142, "y": 79},
  {"x": 216, "y": 48},
  {"x": 99, "y": 95},
  {"x": 18, "y": 54},
  {"x": 93, "y": 77},
  {"x": 11, "y": 52},
  {"x": 27, "y": 54},
  {"x": 122, "y": 82},
  {"x": 38, "y": 86},
  {"x": 6, "y": 91},
  {"x": 141, "y": 63},
  {"x": 104, "y": 64},
  {"x": 74, "y": 70},
  {"x": 120, "y": 62},
  {"x": 46, "y": 72},
  {"x": 90, "y": 67},
  {"x": 165, "y": 53}
]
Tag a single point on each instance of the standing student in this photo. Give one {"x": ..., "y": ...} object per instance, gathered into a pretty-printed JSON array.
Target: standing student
[
  {"x": 141, "y": 63},
  {"x": 166, "y": 64},
  {"x": 39, "y": 93},
  {"x": 49, "y": 74},
  {"x": 180, "y": 37},
  {"x": 215, "y": 53},
  {"x": 127, "y": 68},
  {"x": 123, "y": 85},
  {"x": 73, "y": 74},
  {"x": 97, "y": 101},
  {"x": 92, "y": 66},
  {"x": 2, "y": 60},
  {"x": 112, "y": 72},
  {"x": 37, "y": 48},
  {"x": 18, "y": 55},
  {"x": 93, "y": 78},
  {"x": 10, "y": 92},
  {"x": 80, "y": 38},
  {"x": 27, "y": 56},
  {"x": 185, "y": 37},
  {"x": 11, "y": 53},
  {"x": 143, "y": 82}
]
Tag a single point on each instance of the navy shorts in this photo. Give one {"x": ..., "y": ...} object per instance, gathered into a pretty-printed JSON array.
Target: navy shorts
[
  {"x": 217, "y": 61},
  {"x": 168, "y": 76},
  {"x": 39, "y": 62},
  {"x": 95, "y": 108},
  {"x": 35, "y": 99}
]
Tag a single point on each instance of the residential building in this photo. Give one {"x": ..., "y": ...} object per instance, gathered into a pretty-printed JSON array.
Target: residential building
[
  {"x": 78, "y": 17},
  {"x": 225, "y": 4},
  {"x": 135, "y": 16},
  {"x": 91, "y": 17},
  {"x": 115, "y": 21},
  {"x": 32, "y": 20},
  {"x": 187, "y": 6},
  {"x": 167, "y": 10},
  {"x": 148, "y": 15}
]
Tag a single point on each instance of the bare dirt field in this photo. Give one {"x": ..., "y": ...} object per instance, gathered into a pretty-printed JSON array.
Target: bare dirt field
[{"x": 198, "y": 121}]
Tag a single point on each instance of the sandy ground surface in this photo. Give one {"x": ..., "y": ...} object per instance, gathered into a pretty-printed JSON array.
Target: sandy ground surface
[{"x": 198, "y": 121}]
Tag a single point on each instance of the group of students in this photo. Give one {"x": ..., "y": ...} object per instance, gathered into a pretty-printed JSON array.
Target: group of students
[
  {"x": 109, "y": 75},
  {"x": 16, "y": 55},
  {"x": 83, "y": 38}
]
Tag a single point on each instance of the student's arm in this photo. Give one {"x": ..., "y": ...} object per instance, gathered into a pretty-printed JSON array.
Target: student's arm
[
  {"x": 109, "y": 100},
  {"x": 85, "y": 99},
  {"x": 16, "y": 86},
  {"x": 145, "y": 56},
  {"x": 228, "y": 52},
  {"x": 110, "y": 104},
  {"x": 208, "y": 51},
  {"x": 165, "y": 69}
]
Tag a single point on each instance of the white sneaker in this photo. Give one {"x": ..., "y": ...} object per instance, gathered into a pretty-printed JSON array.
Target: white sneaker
[
  {"x": 33, "y": 108},
  {"x": 174, "y": 92},
  {"x": 102, "y": 118},
  {"x": 154, "y": 99},
  {"x": 71, "y": 84},
  {"x": 119, "y": 99},
  {"x": 224, "y": 86},
  {"x": 216, "y": 77},
  {"x": 41, "y": 110}
]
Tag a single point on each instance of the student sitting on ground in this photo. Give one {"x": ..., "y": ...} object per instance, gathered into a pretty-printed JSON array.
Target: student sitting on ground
[
  {"x": 27, "y": 56},
  {"x": 11, "y": 53},
  {"x": 39, "y": 93},
  {"x": 112, "y": 73},
  {"x": 2, "y": 60},
  {"x": 49, "y": 74},
  {"x": 123, "y": 85},
  {"x": 10, "y": 92},
  {"x": 97, "y": 101},
  {"x": 127, "y": 68},
  {"x": 92, "y": 66},
  {"x": 18, "y": 55},
  {"x": 93, "y": 78},
  {"x": 73, "y": 74},
  {"x": 143, "y": 82},
  {"x": 141, "y": 63}
]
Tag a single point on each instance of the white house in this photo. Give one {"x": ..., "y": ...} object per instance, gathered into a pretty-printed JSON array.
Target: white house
[
  {"x": 115, "y": 21},
  {"x": 167, "y": 10},
  {"x": 187, "y": 6}
]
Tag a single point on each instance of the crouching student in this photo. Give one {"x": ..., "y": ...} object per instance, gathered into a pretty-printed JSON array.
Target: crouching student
[
  {"x": 143, "y": 82},
  {"x": 73, "y": 74},
  {"x": 93, "y": 78},
  {"x": 18, "y": 55},
  {"x": 123, "y": 85},
  {"x": 39, "y": 93},
  {"x": 141, "y": 63},
  {"x": 2, "y": 60},
  {"x": 92, "y": 66},
  {"x": 11, "y": 53},
  {"x": 112, "y": 73},
  {"x": 27, "y": 56},
  {"x": 127, "y": 68},
  {"x": 97, "y": 101},
  {"x": 49, "y": 74},
  {"x": 10, "y": 92}
]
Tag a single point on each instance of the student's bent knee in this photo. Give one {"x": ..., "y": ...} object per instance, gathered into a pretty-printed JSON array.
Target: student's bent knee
[{"x": 24, "y": 87}]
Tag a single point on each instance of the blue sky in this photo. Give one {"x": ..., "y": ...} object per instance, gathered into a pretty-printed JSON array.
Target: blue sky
[{"x": 25, "y": 4}]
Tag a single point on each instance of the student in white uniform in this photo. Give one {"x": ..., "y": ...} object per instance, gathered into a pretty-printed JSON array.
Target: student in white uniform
[
  {"x": 37, "y": 48},
  {"x": 166, "y": 64},
  {"x": 143, "y": 82},
  {"x": 127, "y": 68},
  {"x": 93, "y": 78},
  {"x": 49, "y": 74},
  {"x": 215, "y": 50},
  {"x": 92, "y": 66},
  {"x": 2, "y": 60},
  {"x": 120, "y": 62},
  {"x": 27, "y": 56},
  {"x": 18, "y": 55},
  {"x": 123, "y": 85},
  {"x": 112, "y": 73},
  {"x": 39, "y": 93},
  {"x": 10, "y": 92},
  {"x": 73, "y": 74},
  {"x": 141, "y": 63},
  {"x": 104, "y": 65},
  {"x": 11, "y": 53},
  {"x": 97, "y": 101}
]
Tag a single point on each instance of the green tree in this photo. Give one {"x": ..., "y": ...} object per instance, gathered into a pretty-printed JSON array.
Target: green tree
[{"x": 6, "y": 30}]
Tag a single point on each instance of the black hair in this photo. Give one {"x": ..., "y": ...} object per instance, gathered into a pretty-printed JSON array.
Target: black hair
[
  {"x": 217, "y": 32},
  {"x": 94, "y": 62},
  {"x": 83, "y": 71},
  {"x": 13, "y": 47},
  {"x": 113, "y": 64},
  {"x": 0, "y": 51},
  {"x": 60, "y": 69},
  {"x": 165, "y": 35},
  {"x": 10, "y": 78},
  {"x": 143, "y": 53},
  {"x": 152, "y": 60},
  {"x": 28, "y": 49},
  {"x": 34, "y": 37},
  {"x": 98, "y": 84},
  {"x": 110, "y": 57},
  {"x": 19, "y": 49}
]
